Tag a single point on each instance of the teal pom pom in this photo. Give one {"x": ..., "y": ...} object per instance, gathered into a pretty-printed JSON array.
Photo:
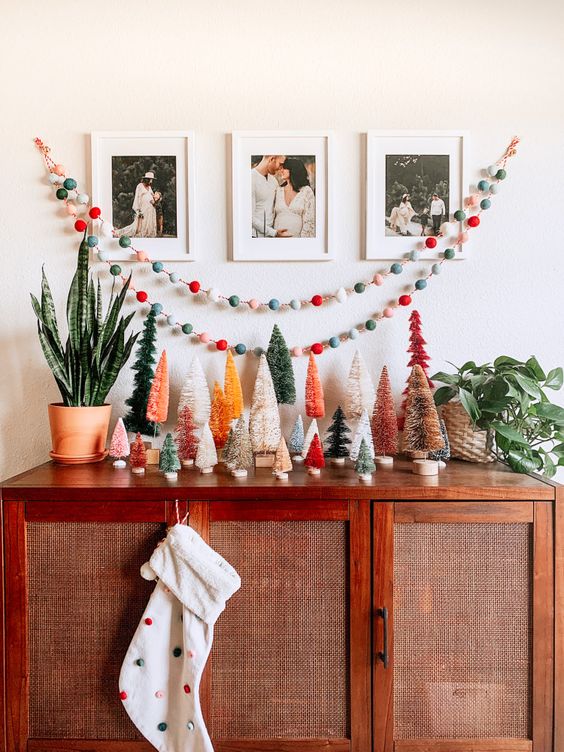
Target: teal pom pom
[
  {"x": 92, "y": 241},
  {"x": 421, "y": 284},
  {"x": 70, "y": 184},
  {"x": 125, "y": 241},
  {"x": 353, "y": 333},
  {"x": 295, "y": 304},
  {"x": 483, "y": 185},
  {"x": 396, "y": 268},
  {"x": 436, "y": 268},
  {"x": 158, "y": 266},
  {"x": 334, "y": 342},
  {"x": 187, "y": 328},
  {"x": 370, "y": 325},
  {"x": 174, "y": 277},
  {"x": 485, "y": 203},
  {"x": 274, "y": 304},
  {"x": 501, "y": 174},
  {"x": 359, "y": 287},
  {"x": 115, "y": 269},
  {"x": 157, "y": 308},
  {"x": 240, "y": 349},
  {"x": 258, "y": 351},
  {"x": 449, "y": 253},
  {"x": 234, "y": 301},
  {"x": 414, "y": 255},
  {"x": 62, "y": 193},
  {"x": 460, "y": 215}
]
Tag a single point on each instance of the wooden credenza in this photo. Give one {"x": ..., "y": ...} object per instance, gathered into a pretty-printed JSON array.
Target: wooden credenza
[{"x": 414, "y": 614}]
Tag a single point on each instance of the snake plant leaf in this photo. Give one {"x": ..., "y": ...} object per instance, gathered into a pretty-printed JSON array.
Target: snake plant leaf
[
  {"x": 48, "y": 308},
  {"x": 126, "y": 322},
  {"x": 54, "y": 362},
  {"x": 112, "y": 366},
  {"x": 91, "y": 305}
]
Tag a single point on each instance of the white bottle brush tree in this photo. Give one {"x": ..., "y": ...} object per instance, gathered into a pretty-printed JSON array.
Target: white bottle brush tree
[
  {"x": 206, "y": 456},
  {"x": 363, "y": 431},
  {"x": 196, "y": 394},
  {"x": 360, "y": 393},
  {"x": 264, "y": 421}
]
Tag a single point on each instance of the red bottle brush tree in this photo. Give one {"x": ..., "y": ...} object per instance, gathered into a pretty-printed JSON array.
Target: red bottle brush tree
[
  {"x": 186, "y": 439},
  {"x": 384, "y": 421},
  {"x": 418, "y": 357},
  {"x": 138, "y": 455},
  {"x": 314, "y": 397},
  {"x": 314, "y": 457}
]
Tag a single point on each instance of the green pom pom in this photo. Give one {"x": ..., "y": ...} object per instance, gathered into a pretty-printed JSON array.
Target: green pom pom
[
  {"x": 140, "y": 662},
  {"x": 70, "y": 184},
  {"x": 124, "y": 241},
  {"x": 158, "y": 266},
  {"x": 396, "y": 268},
  {"x": 370, "y": 325},
  {"x": 234, "y": 301},
  {"x": 187, "y": 328},
  {"x": 115, "y": 269},
  {"x": 459, "y": 215},
  {"x": 449, "y": 253},
  {"x": 240, "y": 349},
  {"x": 360, "y": 287},
  {"x": 62, "y": 193},
  {"x": 501, "y": 174},
  {"x": 485, "y": 203},
  {"x": 483, "y": 185}
]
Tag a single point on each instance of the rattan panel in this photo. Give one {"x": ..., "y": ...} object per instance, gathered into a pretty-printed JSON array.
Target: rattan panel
[
  {"x": 280, "y": 654},
  {"x": 85, "y": 600},
  {"x": 462, "y": 603}
]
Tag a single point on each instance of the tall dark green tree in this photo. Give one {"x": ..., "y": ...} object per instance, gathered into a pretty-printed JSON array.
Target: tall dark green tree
[
  {"x": 337, "y": 440},
  {"x": 136, "y": 418},
  {"x": 280, "y": 364}
]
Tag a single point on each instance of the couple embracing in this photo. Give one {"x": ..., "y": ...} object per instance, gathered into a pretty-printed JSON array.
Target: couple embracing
[{"x": 283, "y": 202}]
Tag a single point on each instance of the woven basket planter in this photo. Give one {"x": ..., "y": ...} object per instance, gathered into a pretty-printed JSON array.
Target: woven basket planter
[{"x": 465, "y": 443}]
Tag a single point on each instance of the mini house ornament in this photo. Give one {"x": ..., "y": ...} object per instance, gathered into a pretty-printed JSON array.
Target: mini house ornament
[
  {"x": 206, "y": 456},
  {"x": 119, "y": 444},
  {"x": 195, "y": 394},
  {"x": 138, "y": 456}
]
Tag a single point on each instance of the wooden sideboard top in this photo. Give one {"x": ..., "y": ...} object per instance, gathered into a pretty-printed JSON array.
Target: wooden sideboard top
[{"x": 460, "y": 480}]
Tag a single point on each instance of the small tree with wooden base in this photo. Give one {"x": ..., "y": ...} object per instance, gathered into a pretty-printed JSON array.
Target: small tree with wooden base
[
  {"x": 136, "y": 418},
  {"x": 157, "y": 404},
  {"x": 418, "y": 357},
  {"x": 119, "y": 445},
  {"x": 314, "y": 460},
  {"x": 384, "y": 422},
  {"x": 364, "y": 466},
  {"x": 421, "y": 430},
  {"x": 311, "y": 431},
  {"x": 297, "y": 439},
  {"x": 219, "y": 417},
  {"x": 195, "y": 394},
  {"x": 280, "y": 364},
  {"x": 442, "y": 455},
  {"x": 186, "y": 438},
  {"x": 264, "y": 419},
  {"x": 360, "y": 389},
  {"x": 362, "y": 432},
  {"x": 206, "y": 456},
  {"x": 314, "y": 397},
  {"x": 240, "y": 450},
  {"x": 169, "y": 464},
  {"x": 338, "y": 441},
  {"x": 138, "y": 456},
  {"x": 282, "y": 462},
  {"x": 232, "y": 388}
]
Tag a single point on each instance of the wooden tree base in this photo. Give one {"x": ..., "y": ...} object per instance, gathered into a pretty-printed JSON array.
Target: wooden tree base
[
  {"x": 187, "y": 463},
  {"x": 314, "y": 471},
  {"x": 384, "y": 461},
  {"x": 153, "y": 456},
  {"x": 337, "y": 460},
  {"x": 138, "y": 470},
  {"x": 365, "y": 477},
  {"x": 425, "y": 467},
  {"x": 171, "y": 476},
  {"x": 281, "y": 476},
  {"x": 120, "y": 464},
  {"x": 239, "y": 473},
  {"x": 206, "y": 470}
]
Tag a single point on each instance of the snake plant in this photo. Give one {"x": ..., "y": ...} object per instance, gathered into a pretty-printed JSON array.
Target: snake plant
[{"x": 86, "y": 367}]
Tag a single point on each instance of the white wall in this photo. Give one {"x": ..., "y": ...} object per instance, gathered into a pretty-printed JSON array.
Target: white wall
[{"x": 494, "y": 68}]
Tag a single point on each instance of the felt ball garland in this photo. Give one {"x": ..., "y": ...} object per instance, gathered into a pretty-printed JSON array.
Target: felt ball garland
[{"x": 57, "y": 176}]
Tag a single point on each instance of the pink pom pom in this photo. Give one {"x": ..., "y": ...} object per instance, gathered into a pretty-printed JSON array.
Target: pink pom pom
[
  {"x": 297, "y": 352},
  {"x": 141, "y": 256},
  {"x": 462, "y": 238},
  {"x": 59, "y": 169},
  {"x": 254, "y": 304},
  {"x": 71, "y": 209},
  {"x": 388, "y": 312},
  {"x": 473, "y": 200},
  {"x": 378, "y": 279},
  {"x": 204, "y": 338}
]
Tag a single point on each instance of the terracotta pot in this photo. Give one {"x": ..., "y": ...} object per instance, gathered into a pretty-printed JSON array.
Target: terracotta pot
[{"x": 78, "y": 434}]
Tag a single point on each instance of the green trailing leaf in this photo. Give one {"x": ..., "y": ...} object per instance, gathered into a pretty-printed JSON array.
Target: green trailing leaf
[
  {"x": 535, "y": 369},
  {"x": 446, "y": 378},
  {"x": 528, "y": 386},
  {"x": 470, "y": 404},
  {"x": 444, "y": 394},
  {"x": 554, "y": 379},
  {"x": 509, "y": 433},
  {"x": 522, "y": 463},
  {"x": 505, "y": 360},
  {"x": 552, "y": 412}
]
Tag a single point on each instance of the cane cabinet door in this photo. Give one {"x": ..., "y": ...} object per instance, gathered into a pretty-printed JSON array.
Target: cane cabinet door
[
  {"x": 463, "y": 626},
  {"x": 290, "y": 667}
]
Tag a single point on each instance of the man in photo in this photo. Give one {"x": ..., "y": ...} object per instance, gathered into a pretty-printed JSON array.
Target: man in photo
[
  {"x": 264, "y": 186},
  {"x": 438, "y": 210}
]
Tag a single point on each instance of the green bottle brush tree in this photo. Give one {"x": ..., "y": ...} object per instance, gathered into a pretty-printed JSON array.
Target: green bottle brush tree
[{"x": 509, "y": 398}]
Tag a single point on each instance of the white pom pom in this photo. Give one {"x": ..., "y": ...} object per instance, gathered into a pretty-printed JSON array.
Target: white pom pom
[
  {"x": 447, "y": 229},
  {"x": 83, "y": 198},
  {"x": 341, "y": 295},
  {"x": 106, "y": 230},
  {"x": 213, "y": 294},
  {"x": 147, "y": 572}
]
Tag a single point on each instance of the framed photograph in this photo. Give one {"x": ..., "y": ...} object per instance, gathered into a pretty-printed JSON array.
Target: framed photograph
[
  {"x": 144, "y": 184},
  {"x": 281, "y": 196},
  {"x": 415, "y": 183}
]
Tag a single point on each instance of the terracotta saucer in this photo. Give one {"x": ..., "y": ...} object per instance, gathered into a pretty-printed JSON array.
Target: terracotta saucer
[{"x": 64, "y": 460}]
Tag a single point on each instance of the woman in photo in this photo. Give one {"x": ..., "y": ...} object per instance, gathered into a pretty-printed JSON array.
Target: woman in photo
[
  {"x": 294, "y": 203},
  {"x": 145, "y": 223},
  {"x": 401, "y": 215}
]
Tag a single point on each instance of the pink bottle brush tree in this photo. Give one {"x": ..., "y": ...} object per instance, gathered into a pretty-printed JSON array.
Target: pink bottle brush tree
[{"x": 119, "y": 445}]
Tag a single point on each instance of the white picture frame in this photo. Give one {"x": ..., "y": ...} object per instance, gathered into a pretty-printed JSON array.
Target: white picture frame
[
  {"x": 249, "y": 244},
  {"x": 173, "y": 149},
  {"x": 382, "y": 242}
]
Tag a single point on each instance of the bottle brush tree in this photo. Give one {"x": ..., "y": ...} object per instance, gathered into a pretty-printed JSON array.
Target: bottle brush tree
[
  {"x": 338, "y": 440},
  {"x": 219, "y": 417},
  {"x": 195, "y": 393},
  {"x": 157, "y": 404},
  {"x": 241, "y": 453},
  {"x": 314, "y": 397},
  {"x": 168, "y": 461},
  {"x": 418, "y": 357},
  {"x": 281, "y": 369},
  {"x": 384, "y": 420},
  {"x": 297, "y": 437},
  {"x": 206, "y": 456},
  {"x": 138, "y": 454},
  {"x": 364, "y": 463},
  {"x": 421, "y": 430},
  {"x": 282, "y": 461},
  {"x": 311, "y": 431},
  {"x": 314, "y": 457},
  {"x": 119, "y": 444},
  {"x": 232, "y": 388},
  {"x": 186, "y": 439},
  {"x": 442, "y": 455},
  {"x": 264, "y": 421},
  {"x": 360, "y": 389},
  {"x": 363, "y": 431},
  {"x": 136, "y": 418}
]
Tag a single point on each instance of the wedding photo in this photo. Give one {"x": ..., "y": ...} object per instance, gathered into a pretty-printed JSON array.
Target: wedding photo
[
  {"x": 417, "y": 194},
  {"x": 283, "y": 196},
  {"x": 144, "y": 196}
]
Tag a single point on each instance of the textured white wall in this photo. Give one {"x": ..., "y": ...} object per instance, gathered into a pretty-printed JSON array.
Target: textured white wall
[{"x": 211, "y": 66}]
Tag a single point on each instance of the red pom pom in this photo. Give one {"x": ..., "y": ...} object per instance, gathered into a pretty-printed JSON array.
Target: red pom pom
[
  {"x": 148, "y": 621},
  {"x": 123, "y": 695},
  {"x": 142, "y": 296},
  {"x": 221, "y": 344},
  {"x": 317, "y": 348},
  {"x": 194, "y": 286},
  {"x": 80, "y": 225},
  {"x": 94, "y": 212},
  {"x": 404, "y": 300},
  {"x": 431, "y": 242},
  {"x": 317, "y": 300},
  {"x": 473, "y": 221}
]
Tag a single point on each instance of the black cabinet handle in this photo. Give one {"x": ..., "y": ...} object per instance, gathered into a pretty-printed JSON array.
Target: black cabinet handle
[{"x": 383, "y": 656}]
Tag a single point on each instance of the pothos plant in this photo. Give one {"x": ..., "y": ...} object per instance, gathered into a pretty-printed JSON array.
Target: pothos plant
[
  {"x": 508, "y": 397},
  {"x": 87, "y": 365}
]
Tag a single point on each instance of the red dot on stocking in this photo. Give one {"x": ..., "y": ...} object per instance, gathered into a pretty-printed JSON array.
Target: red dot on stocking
[
  {"x": 159, "y": 695},
  {"x": 187, "y": 689},
  {"x": 123, "y": 695},
  {"x": 192, "y": 653},
  {"x": 431, "y": 242},
  {"x": 148, "y": 621}
]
